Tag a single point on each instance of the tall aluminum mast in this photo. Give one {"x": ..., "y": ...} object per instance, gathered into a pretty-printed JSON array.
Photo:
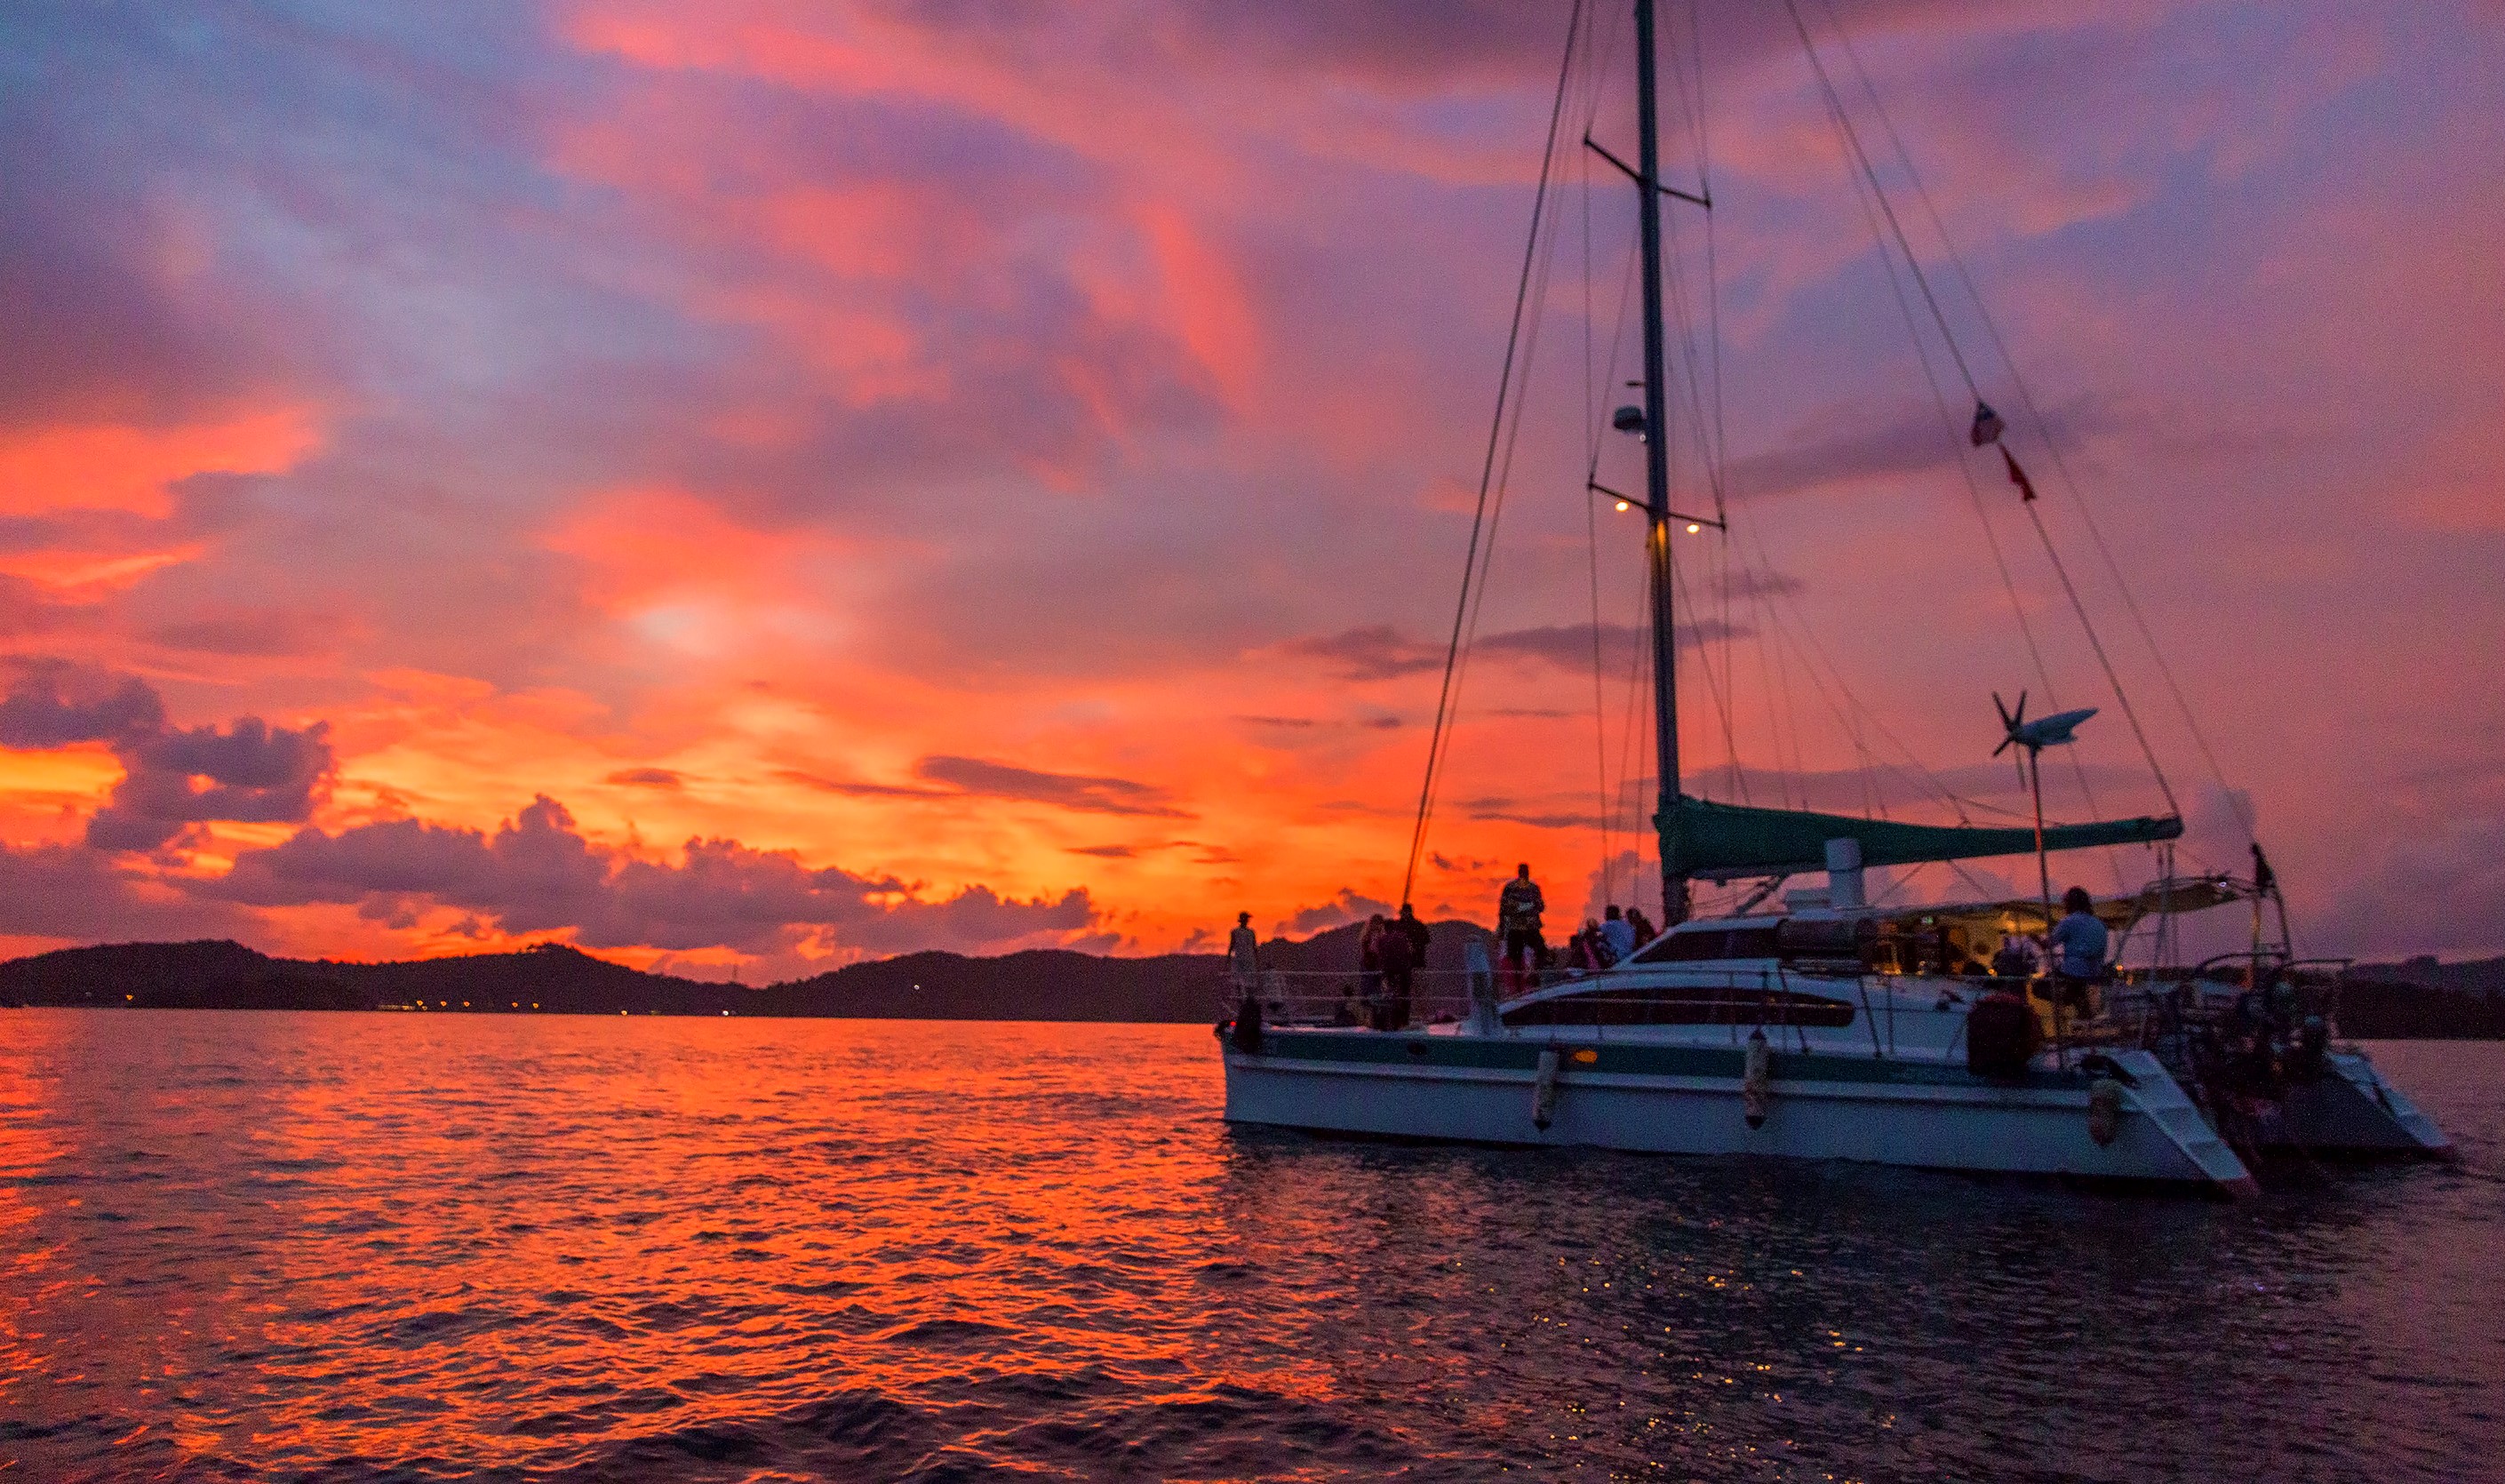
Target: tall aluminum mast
[{"x": 1657, "y": 515}]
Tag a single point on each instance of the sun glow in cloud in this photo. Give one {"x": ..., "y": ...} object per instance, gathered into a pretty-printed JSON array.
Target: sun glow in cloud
[{"x": 761, "y": 485}]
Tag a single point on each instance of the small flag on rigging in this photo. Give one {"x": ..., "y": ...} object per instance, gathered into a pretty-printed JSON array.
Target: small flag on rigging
[
  {"x": 2018, "y": 477},
  {"x": 1987, "y": 424}
]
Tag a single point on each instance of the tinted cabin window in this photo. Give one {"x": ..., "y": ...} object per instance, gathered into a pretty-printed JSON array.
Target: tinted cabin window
[
  {"x": 1686, "y": 1005},
  {"x": 1712, "y": 943}
]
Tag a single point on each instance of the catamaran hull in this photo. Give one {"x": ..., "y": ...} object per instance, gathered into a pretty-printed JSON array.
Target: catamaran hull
[
  {"x": 1689, "y": 1100},
  {"x": 2350, "y": 1109}
]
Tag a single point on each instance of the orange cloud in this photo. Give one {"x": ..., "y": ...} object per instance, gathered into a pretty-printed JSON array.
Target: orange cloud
[
  {"x": 70, "y": 571},
  {"x": 119, "y": 467}
]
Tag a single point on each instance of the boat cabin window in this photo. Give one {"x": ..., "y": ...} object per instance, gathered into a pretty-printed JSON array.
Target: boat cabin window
[
  {"x": 1687, "y": 947},
  {"x": 1685, "y": 1005}
]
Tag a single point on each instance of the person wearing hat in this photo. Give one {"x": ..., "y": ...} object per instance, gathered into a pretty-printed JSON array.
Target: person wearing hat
[{"x": 1244, "y": 954}]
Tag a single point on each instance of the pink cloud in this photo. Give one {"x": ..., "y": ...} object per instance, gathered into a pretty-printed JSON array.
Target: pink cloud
[{"x": 121, "y": 467}]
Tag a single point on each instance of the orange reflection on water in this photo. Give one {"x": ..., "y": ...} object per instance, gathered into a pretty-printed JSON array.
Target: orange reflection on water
[
  {"x": 505, "y": 1240},
  {"x": 528, "y": 1247}
]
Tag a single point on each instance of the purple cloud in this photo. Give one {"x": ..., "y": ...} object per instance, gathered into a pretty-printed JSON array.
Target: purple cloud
[
  {"x": 71, "y": 891},
  {"x": 1079, "y": 792},
  {"x": 1372, "y": 652},
  {"x": 250, "y": 772},
  {"x": 1350, "y": 905},
  {"x": 1380, "y": 651},
  {"x": 55, "y": 703},
  {"x": 538, "y": 873},
  {"x": 257, "y": 633}
]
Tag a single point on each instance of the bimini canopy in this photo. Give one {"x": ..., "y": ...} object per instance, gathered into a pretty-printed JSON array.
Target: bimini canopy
[
  {"x": 2159, "y": 899},
  {"x": 1701, "y": 838}
]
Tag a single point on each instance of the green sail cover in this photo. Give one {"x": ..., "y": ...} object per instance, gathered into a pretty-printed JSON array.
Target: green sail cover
[{"x": 1703, "y": 838}]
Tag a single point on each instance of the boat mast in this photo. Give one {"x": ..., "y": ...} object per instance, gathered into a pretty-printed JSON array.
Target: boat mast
[{"x": 1665, "y": 633}]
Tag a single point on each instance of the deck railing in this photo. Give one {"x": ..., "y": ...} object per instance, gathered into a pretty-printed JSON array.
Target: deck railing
[
  {"x": 1772, "y": 998},
  {"x": 1342, "y": 998}
]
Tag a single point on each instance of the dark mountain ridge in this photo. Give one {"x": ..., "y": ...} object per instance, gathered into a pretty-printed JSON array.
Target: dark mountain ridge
[
  {"x": 2470, "y": 976},
  {"x": 557, "y": 978},
  {"x": 2415, "y": 1000}
]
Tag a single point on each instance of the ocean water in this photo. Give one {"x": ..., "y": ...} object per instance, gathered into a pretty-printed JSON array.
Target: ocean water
[{"x": 238, "y": 1245}]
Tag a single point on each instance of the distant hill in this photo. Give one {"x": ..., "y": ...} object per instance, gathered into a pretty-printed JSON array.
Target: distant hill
[
  {"x": 553, "y": 978},
  {"x": 2471, "y": 977},
  {"x": 2422, "y": 999},
  {"x": 2376, "y": 1010},
  {"x": 2416, "y": 999}
]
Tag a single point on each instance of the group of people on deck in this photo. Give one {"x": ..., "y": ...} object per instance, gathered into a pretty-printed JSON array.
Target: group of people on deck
[
  {"x": 1390, "y": 950},
  {"x": 1599, "y": 944}
]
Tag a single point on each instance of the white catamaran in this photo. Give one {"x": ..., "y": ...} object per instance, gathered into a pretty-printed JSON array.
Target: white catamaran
[{"x": 1835, "y": 1028}]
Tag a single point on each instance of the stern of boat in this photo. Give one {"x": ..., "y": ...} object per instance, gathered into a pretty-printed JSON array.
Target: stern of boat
[{"x": 2350, "y": 1109}]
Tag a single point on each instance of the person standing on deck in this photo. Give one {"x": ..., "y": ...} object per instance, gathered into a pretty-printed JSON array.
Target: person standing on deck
[
  {"x": 2078, "y": 945},
  {"x": 1641, "y": 925},
  {"x": 1620, "y": 933},
  {"x": 1419, "y": 937},
  {"x": 1518, "y": 910},
  {"x": 1244, "y": 955},
  {"x": 1370, "y": 966},
  {"x": 1395, "y": 951}
]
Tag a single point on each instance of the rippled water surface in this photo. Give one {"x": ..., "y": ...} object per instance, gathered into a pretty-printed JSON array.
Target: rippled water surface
[{"x": 350, "y": 1247}]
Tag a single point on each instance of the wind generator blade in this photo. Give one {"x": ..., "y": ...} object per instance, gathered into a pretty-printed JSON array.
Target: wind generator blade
[{"x": 2011, "y": 721}]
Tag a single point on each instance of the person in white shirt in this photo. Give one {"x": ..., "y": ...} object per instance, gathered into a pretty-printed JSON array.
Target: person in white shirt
[
  {"x": 2078, "y": 945},
  {"x": 1244, "y": 954},
  {"x": 1618, "y": 934}
]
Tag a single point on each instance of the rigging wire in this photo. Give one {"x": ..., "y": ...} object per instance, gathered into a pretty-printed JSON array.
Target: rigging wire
[
  {"x": 1868, "y": 188},
  {"x": 1592, "y": 513},
  {"x": 2043, "y": 427},
  {"x": 1482, "y": 522},
  {"x": 1863, "y": 191},
  {"x": 1814, "y": 654},
  {"x": 1713, "y": 687},
  {"x": 1717, "y": 455},
  {"x": 1769, "y": 674},
  {"x": 1709, "y": 432},
  {"x": 1496, "y": 511},
  {"x": 1922, "y": 281},
  {"x": 1853, "y": 141},
  {"x": 1599, "y": 703},
  {"x": 1627, "y": 795},
  {"x": 1844, "y": 720},
  {"x": 1593, "y": 440}
]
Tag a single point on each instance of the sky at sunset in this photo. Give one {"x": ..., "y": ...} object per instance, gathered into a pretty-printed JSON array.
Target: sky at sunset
[{"x": 758, "y": 484}]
